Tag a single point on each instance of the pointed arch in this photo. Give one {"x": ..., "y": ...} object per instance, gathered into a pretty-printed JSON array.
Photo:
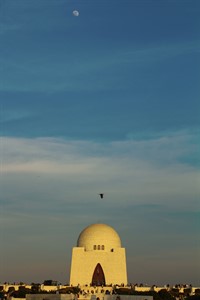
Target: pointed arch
[{"x": 98, "y": 277}]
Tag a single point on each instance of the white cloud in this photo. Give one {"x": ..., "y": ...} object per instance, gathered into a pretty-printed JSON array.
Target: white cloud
[{"x": 135, "y": 169}]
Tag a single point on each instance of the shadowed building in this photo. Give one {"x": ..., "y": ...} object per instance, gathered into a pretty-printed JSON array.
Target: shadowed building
[{"x": 98, "y": 258}]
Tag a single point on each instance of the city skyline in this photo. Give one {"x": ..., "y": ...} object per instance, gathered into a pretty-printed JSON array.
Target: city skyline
[{"x": 103, "y": 102}]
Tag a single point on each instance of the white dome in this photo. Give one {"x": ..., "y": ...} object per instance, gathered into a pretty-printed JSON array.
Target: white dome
[{"x": 99, "y": 237}]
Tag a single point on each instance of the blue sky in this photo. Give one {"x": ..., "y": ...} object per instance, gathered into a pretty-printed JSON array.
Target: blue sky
[{"x": 104, "y": 102}]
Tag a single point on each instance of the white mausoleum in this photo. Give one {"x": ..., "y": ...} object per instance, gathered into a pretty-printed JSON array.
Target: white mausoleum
[{"x": 98, "y": 258}]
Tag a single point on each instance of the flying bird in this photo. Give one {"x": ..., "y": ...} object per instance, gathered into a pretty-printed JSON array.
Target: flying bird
[{"x": 101, "y": 195}]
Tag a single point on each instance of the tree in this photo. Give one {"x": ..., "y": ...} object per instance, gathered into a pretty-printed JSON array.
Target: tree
[
  {"x": 35, "y": 288},
  {"x": 194, "y": 297},
  {"x": 21, "y": 292},
  {"x": 165, "y": 295}
]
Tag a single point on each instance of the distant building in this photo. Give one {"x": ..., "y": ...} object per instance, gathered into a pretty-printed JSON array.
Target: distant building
[
  {"x": 50, "y": 282},
  {"x": 90, "y": 297},
  {"x": 50, "y": 297},
  {"x": 98, "y": 259}
]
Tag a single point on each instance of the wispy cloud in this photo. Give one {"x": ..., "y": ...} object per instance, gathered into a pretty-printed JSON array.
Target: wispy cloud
[
  {"x": 158, "y": 52},
  {"x": 162, "y": 151},
  {"x": 13, "y": 115},
  {"x": 5, "y": 28},
  {"x": 135, "y": 169},
  {"x": 98, "y": 72}
]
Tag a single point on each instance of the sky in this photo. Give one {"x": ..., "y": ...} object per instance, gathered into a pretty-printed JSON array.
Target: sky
[{"x": 106, "y": 102}]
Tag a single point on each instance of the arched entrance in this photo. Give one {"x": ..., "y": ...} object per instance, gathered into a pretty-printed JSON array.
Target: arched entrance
[{"x": 98, "y": 277}]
